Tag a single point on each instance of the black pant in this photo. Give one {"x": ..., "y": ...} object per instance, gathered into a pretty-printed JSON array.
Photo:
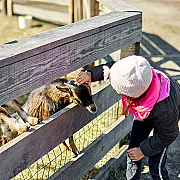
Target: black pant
[{"x": 158, "y": 171}]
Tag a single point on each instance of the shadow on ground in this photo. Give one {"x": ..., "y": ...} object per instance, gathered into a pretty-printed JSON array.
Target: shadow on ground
[{"x": 161, "y": 55}]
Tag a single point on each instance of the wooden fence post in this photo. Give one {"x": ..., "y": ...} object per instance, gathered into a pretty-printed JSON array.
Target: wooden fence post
[
  {"x": 71, "y": 11},
  {"x": 94, "y": 8},
  {"x": 4, "y": 6},
  {"x": 9, "y": 8},
  {"x": 90, "y": 8},
  {"x": 80, "y": 10},
  {"x": 76, "y": 6},
  {"x": 75, "y": 10},
  {"x": 132, "y": 49}
]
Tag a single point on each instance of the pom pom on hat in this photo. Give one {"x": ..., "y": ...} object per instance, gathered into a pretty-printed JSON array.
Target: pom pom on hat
[{"x": 131, "y": 76}]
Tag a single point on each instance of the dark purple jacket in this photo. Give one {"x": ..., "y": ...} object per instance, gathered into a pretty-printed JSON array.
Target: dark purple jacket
[{"x": 165, "y": 116}]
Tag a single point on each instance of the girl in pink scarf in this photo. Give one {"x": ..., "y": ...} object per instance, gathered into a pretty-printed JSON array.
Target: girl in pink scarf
[
  {"x": 154, "y": 100},
  {"x": 158, "y": 90}
]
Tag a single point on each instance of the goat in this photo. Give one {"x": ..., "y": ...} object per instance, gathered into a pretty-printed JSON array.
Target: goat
[
  {"x": 42, "y": 103},
  {"x": 11, "y": 127},
  {"x": 48, "y": 99}
]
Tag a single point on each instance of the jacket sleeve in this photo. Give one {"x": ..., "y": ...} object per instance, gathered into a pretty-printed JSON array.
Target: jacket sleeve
[
  {"x": 97, "y": 71},
  {"x": 165, "y": 116},
  {"x": 166, "y": 131}
]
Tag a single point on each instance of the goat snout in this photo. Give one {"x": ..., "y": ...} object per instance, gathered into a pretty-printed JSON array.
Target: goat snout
[{"x": 92, "y": 108}]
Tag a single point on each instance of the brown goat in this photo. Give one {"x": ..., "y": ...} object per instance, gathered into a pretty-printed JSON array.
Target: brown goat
[
  {"x": 11, "y": 127},
  {"x": 42, "y": 103},
  {"x": 48, "y": 99}
]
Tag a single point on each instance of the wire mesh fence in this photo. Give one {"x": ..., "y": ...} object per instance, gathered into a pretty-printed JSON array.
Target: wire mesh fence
[{"x": 58, "y": 157}]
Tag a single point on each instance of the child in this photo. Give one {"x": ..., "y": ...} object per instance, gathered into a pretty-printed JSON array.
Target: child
[{"x": 154, "y": 99}]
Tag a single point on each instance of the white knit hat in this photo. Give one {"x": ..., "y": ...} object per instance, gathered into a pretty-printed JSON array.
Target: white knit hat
[{"x": 131, "y": 76}]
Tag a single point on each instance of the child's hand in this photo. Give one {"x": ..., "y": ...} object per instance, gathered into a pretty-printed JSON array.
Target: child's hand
[
  {"x": 106, "y": 72},
  {"x": 83, "y": 77},
  {"x": 135, "y": 154}
]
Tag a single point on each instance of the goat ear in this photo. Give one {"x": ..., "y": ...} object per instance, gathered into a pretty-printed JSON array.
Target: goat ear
[
  {"x": 64, "y": 85},
  {"x": 71, "y": 86},
  {"x": 64, "y": 91}
]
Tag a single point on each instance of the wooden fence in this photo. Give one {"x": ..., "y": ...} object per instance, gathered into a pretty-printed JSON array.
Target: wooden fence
[
  {"x": 32, "y": 62},
  {"x": 62, "y": 11},
  {"x": 56, "y": 11}
]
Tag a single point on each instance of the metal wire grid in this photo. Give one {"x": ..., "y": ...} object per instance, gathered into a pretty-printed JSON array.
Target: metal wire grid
[{"x": 58, "y": 157}]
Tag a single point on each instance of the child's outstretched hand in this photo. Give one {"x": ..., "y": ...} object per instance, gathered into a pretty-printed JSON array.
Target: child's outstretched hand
[{"x": 83, "y": 77}]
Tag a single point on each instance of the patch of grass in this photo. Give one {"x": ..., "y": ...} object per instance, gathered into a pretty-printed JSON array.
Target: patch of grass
[
  {"x": 171, "y": 28},
  {"x": 9, "y": 29}
]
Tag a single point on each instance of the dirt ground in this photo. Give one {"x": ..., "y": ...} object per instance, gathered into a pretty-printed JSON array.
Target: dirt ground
[
  {"x": 9, "y": 30},
  {"x": 161, "y": 17}
]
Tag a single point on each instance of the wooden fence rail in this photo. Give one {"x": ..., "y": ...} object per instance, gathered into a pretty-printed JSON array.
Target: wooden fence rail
[
  {"x": 77, "y": 167},
  {"x": 27, "y": 148},
  {"x": 31, "y": 62},
  {"x": 56, "y": 11},
  {"x": 54, "y": 53}
]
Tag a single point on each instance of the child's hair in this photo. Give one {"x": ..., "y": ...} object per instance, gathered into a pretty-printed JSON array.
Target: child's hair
[{"x": 129, "y": 102}]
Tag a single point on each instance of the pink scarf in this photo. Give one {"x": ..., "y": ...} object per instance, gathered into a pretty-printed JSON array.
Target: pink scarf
[{"x": 158, "y": 90}]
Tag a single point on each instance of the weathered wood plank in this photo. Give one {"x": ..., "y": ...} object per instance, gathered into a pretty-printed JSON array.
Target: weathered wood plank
[
  {"x": 49, "y": 6},
  {"x": 27, "y": 148},
  {"x": 117, "y": 5},
  {"x": 45, "y": 41},
  {"x": 111, "y": 165},
  {"x": 59, "y": 2},
  {"x": 37, "y": 60},
  {"x": 57, "y": 16},
  {"x": 76, "y": 168}
]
